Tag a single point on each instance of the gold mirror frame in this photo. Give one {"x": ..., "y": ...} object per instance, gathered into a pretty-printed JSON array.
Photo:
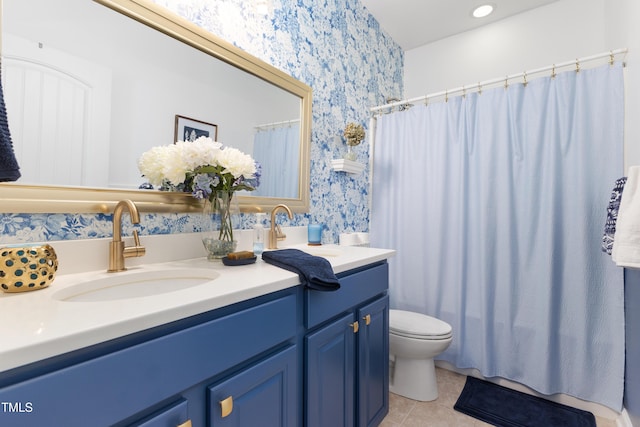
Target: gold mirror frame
[{"x": 19, "y": 198}]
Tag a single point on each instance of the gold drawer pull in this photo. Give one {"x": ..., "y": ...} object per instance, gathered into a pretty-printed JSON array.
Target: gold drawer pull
[
  {"x": 226, "y": 406},
  {"x": 356, "y": 326},
  {"x": 185, "y": 424},
  {"x": 367, "y": 319}
]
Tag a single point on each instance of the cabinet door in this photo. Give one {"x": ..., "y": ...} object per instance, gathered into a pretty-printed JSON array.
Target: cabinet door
[
  {"x": 264, "y": 395},
  {"x": 373, "y": 362},
  {"x": 330, "y": 375}
]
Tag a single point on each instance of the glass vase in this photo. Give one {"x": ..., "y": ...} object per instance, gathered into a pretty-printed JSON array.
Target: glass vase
[
  {"x": 217, "y": 226},
  {"x": 350, "y": 154}
]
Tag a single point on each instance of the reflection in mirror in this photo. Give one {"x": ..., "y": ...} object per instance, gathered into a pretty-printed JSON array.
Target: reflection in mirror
[{"x": 91, "y": 105}]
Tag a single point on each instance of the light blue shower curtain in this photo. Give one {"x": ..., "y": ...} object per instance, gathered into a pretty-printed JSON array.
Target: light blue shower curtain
[
  {"x": 277, "y": 150},
  {"x": 496, "y": 204}
]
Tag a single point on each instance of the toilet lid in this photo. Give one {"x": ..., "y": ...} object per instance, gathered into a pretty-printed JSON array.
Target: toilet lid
[{"x": 417, "y": 325}]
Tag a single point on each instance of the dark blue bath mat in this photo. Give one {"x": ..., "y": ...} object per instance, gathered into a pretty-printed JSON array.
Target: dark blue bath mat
[{"x": 504, "y": 407}]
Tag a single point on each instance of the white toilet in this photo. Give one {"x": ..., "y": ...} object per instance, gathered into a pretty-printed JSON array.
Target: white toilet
[{"x": 414, "y": 340}]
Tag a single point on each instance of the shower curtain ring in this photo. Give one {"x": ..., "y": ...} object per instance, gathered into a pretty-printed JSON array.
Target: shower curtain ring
[
  {"x": 553, "y": 71},
  {"x": 525, "y": 79},
  {"x": 577, "y": 65},
  {"x": 446, "y": 96},
  {"x": 479, "y": 89},
  {"x": 506, "y": 85},
  {"x": 611, "y": 57}
]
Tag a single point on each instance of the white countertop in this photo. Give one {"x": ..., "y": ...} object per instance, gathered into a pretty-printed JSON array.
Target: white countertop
[{"x": 37, "y": 325}]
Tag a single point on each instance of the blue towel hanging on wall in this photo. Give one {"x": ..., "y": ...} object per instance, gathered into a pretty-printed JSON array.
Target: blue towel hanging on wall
[{"x": 9, "y": 169}]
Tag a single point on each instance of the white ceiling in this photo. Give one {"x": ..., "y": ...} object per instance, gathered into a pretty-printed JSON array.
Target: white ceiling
[{"x": 413, "y": 23}]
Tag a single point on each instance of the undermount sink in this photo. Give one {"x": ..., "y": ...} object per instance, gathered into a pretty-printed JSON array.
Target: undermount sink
[{"x": 135, "y": 284}]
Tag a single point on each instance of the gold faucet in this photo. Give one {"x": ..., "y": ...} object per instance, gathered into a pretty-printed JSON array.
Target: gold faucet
[
  {"x": 275, "y": 232},
  {"x": 117, "y": 251}
]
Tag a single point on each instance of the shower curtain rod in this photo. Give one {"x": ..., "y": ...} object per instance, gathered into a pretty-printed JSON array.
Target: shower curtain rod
[
  {"x": 276, "y": 124},
  {"x": 478, "y": 86}
]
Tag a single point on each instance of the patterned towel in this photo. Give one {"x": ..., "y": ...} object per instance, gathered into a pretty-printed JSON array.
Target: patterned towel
[{"x": 612, "y": 215}]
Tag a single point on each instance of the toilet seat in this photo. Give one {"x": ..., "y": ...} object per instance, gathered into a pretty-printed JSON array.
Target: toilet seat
[{"x": 418, "y": 326}]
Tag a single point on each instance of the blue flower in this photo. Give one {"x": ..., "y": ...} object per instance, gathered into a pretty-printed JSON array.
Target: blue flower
[
  {"x": 202, "y": 184},
  {"x": 199, "y": 193}
]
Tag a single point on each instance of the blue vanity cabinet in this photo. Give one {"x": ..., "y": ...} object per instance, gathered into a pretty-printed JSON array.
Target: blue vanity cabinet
[
  {"x": 347, "y": 351},
  {"x": 296, "y": 357},
  {"x": 163, "y": 376}
]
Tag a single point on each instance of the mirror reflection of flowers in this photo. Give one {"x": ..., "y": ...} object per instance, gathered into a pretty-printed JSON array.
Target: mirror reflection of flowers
[
  {"x": 204, "y": 168},
  {"x": 354, "y": 134}
]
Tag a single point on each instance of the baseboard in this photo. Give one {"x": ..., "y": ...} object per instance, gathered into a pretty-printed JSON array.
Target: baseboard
[{"x": 621, "y": 419}]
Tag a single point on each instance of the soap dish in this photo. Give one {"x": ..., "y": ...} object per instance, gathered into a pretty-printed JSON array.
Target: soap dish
[
  {"x": 241, "y": 261},
  {"x": 27, "y": 268}
]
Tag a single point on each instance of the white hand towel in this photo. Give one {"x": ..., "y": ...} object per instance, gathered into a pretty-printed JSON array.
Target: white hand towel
[{"x": 626, "y": 242}]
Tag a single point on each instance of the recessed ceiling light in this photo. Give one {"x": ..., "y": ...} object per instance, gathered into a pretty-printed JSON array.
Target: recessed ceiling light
[{"x": 482, "y": 11}]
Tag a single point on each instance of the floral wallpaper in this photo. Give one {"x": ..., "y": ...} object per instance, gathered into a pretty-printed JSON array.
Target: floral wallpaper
[{"x": 334, "y": 46}]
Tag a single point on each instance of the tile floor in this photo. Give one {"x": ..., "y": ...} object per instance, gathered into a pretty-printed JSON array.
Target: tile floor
[{"x": 405, "y": 412}]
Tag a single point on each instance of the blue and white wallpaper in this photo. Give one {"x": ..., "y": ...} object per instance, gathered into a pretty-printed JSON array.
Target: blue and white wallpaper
[{"x": 334, "y": 46}]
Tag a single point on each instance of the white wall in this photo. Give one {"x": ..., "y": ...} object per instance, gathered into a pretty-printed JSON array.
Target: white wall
[
  {"x": 622, "y": 29},
  {"x": 543, "y": 36},
  {"x": 558, "y": 32}
]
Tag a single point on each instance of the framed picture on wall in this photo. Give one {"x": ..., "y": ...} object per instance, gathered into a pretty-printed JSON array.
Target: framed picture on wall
[{"x": 187, "y": 129}]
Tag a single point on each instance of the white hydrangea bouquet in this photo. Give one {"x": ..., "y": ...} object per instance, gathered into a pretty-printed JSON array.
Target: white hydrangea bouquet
[{"x": 206, "y": 169}]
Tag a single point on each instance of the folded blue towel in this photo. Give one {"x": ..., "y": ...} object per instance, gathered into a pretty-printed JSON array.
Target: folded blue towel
[
  {"x": 315, "y": 272},
  {"x": 9, "y": 170}
]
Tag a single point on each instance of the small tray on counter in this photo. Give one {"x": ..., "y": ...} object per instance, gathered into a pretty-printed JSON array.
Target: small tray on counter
[{"x": 241, "y": 261}]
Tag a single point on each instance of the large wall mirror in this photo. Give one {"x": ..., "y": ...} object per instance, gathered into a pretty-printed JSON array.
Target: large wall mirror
[{"x": 89, "y": 88}]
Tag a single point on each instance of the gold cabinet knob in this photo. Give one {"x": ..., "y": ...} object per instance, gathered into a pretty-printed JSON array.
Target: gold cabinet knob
[
  {"x": 367, "y": 319},
  {"x": 356, "y": 326},
  {"x": 185, "y": 424},
  {"x": 226, "y": 406}
]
